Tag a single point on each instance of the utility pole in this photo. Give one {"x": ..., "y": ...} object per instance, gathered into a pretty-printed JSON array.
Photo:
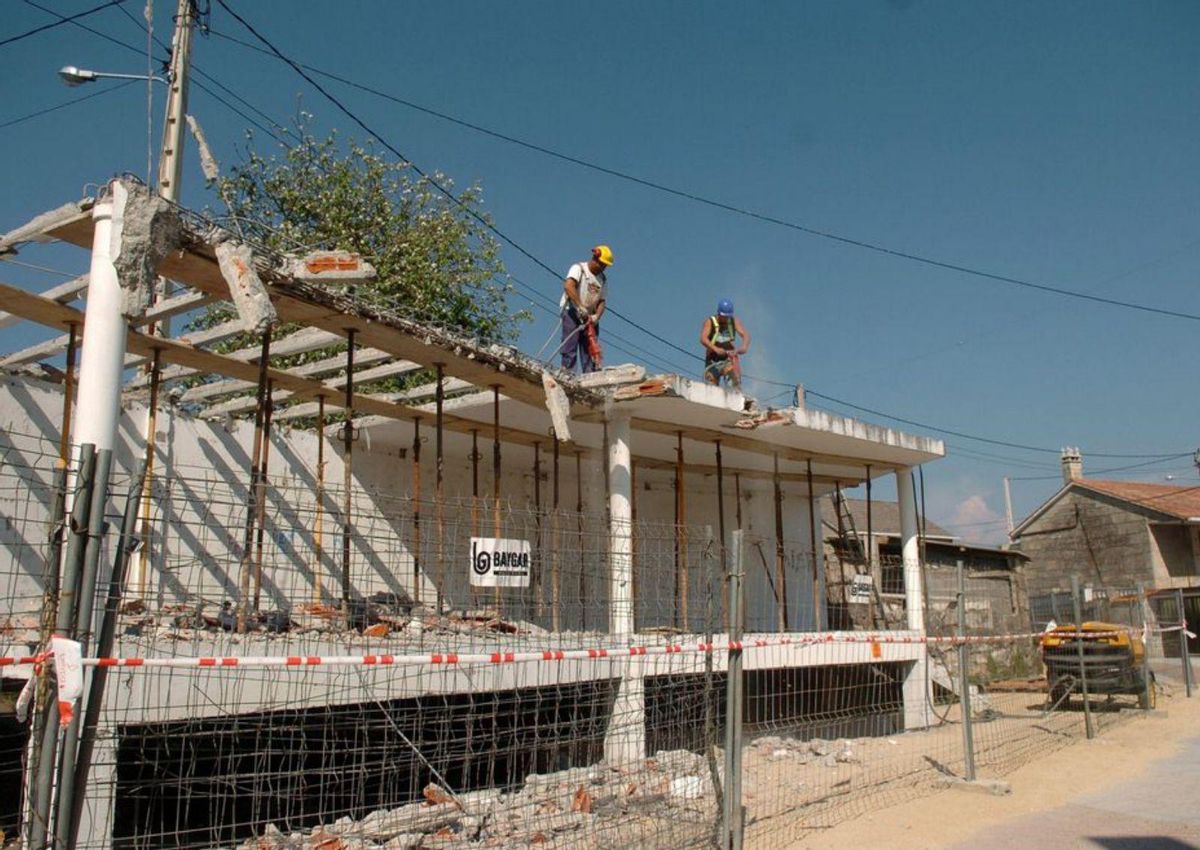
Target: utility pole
[
  {"x": 170, "y": 169},
  {"x": 1008, "y": 505},
  {"x": 170, "y": 159}
]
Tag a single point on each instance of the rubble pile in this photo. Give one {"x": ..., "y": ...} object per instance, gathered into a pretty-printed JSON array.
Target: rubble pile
[
  {"x": 376, "y": 616},
  {"x": 815, "y": 751},
  {"x": 665, "y": 801}
]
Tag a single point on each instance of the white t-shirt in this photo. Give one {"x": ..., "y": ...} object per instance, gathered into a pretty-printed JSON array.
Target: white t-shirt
[{"x": 593, "y": 288}]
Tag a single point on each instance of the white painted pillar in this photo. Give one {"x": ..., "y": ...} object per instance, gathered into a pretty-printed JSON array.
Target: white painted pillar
[
  {"x": 101, "y": 357},
  {"x": 625, "y": 740},
  {"x": 910, "y": 552},
  {"x": 620, "y": 508},
  {"x": 916, "y": 688}
]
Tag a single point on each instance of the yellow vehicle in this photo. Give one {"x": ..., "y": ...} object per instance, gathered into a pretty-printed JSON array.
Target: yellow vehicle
[{"x": 1114, "y": 659}]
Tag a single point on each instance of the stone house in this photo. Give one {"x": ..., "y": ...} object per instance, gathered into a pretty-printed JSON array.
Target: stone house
[{"x": 1113, "y": 535}]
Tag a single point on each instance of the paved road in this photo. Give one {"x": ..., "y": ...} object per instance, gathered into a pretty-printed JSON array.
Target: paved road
[{"x": 1159, "y": 810}]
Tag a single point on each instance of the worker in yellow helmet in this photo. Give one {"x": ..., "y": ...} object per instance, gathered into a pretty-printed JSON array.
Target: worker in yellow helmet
[
  {"x": 585, "y": 291},
  {"x": 722, "y": 354}
]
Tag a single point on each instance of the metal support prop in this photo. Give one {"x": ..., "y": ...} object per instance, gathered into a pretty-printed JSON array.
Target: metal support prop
[
  {"x": 633, "y": 536},
  {"x": 964, "y": 686},
  {"x": 64, "y": 439},
  {"x": 319, "y": 529},
  {"x": 496, "y": 525},
  {"x": 1147, "y": 675},
  {"x": 721, "y": 530},
  {"x": 539, "y": 601},
  {"x": 781, "y": 615},
  {"x": 555, "y": 565},
  {"x": 581, "y": 593},
  {"x": 439, "y": 485},
  {"x": 44, "y": 754},
  {"x": 148, "y": 492},
  {"x": 733, "y": 817},
  {"x": 1185, "y": 654},
  {"x": 416, "y": 503},
  {"x": 474, "y": 491},
  {"x": 261, "y": 498},
  {"x": 82, "y": 632},
  {"x": 1083, "y": 683},
  {"x": 104, "y": 646},
  {"x": 681, "y": 569},
  {"x": 818, "y": 602},
  {"x": 252, "y": 492},
  {"x": 348, "y": 474}
]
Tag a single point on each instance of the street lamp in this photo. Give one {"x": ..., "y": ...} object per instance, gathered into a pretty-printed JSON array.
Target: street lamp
[{"x": 73, "y": 76}]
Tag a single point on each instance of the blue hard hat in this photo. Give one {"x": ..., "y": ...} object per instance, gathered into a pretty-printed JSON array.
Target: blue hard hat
[{"x": 724, "y": 307}]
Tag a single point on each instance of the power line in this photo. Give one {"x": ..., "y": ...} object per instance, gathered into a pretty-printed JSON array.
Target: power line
[
  {"x": 541, "y": 264},
  {"x": 65, "y": 104},
  {"x": 738, "y": 210},
  {"x": 60, "y": 22}
]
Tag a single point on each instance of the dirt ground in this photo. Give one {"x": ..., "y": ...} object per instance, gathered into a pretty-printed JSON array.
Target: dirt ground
[{"x": 1126, "y": 745}]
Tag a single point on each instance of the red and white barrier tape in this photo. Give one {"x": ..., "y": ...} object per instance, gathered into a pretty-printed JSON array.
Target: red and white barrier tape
[{"x": 437, "y": 659}]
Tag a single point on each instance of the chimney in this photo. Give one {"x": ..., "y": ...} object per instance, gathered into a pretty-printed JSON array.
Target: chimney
[{"x": 1072, "y": 465}]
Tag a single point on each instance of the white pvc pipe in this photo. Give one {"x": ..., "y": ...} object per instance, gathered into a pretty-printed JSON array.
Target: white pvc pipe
[
  {"x": 101, "y": 358},
  {"x": 910, "y": 553},
  {"x": 620, "y": 506}
]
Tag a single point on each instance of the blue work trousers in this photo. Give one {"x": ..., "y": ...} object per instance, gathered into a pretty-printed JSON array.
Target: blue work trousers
[{"x": 574, "y": 347}]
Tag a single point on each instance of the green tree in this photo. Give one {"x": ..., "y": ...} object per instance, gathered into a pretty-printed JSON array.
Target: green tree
[{"x": 435, "y": 261}]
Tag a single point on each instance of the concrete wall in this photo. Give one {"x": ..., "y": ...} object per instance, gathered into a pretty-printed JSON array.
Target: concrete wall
[{"x": 199, "y": 508}]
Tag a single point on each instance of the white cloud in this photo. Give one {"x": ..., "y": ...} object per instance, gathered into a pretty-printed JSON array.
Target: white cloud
[{"x": 974, "y": 520}]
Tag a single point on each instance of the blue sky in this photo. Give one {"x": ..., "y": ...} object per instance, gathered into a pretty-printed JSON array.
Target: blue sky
[{"x": 1054, "y": 143}]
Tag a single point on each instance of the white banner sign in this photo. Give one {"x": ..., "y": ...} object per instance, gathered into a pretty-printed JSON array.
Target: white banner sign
[
  {"x": 496, "y": 562},
  {"x": 860, "y": 588}
]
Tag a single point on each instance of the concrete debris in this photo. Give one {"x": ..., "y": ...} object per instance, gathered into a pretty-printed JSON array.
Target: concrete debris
[
  {"x": 145, "y": 229},
  {"x": 626, "y": 373},
  {"x": 563, "y": 809},
  {"x": 208, "y": 162},
  {"x": 342, "y": 267},
  {"x": 248, "y": 293},
  {"x": 825, "y": 753},
  {"x": 34, "y": 230},
  {"x": 559, "y": 407}
]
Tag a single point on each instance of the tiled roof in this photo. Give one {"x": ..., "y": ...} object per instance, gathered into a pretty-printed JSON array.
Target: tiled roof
[{"x": 1181, "y": 502}]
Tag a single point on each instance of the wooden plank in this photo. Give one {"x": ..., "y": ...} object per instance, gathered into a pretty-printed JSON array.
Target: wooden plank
[{"x": 63, "y": 293}]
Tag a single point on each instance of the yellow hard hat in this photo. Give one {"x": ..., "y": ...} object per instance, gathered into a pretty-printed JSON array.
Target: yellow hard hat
[{"x": 604, "y": 254}]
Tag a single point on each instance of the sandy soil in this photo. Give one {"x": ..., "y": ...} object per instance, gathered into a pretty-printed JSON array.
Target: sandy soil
[{"x": 1123, "y": 749}]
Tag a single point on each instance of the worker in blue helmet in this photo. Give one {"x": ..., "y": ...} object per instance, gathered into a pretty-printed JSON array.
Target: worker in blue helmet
[{"x": 719, "y": 336}]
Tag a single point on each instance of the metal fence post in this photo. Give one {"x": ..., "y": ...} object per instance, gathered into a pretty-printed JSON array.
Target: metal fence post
[
  {"x": 1184, "y": 654},
  {"x": 964, "y": 686},
  {"x": 1147, "y": 674},
  {"x": 733, "y": 816},
  {"x": 1087, "y": 704}
]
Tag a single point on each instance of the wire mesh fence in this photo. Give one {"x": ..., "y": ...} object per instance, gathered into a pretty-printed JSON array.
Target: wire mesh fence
[{"x": 407, "y": 707}]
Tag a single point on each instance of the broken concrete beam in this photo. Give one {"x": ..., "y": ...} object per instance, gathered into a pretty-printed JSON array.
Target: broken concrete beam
[
  {"x": 626, "y": 373},
  {"x": 249, "y": 295},
  {"x": 559, "y": 407},
  {"x": 145, "y": 228},
  {"x": 35, "y": 229},
  {"x": 208, "y": 162},
  {"x": 342, "y": 267}
]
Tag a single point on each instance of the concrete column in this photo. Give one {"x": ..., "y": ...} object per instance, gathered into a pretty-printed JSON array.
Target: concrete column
[
  {"x": 916, "y": 681},
  {"x": 910, "y": 551},
  {"x": 103, "y": 352},
  {"x": 620, "y": 507},
  {"x": 625, "y": 740}
]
